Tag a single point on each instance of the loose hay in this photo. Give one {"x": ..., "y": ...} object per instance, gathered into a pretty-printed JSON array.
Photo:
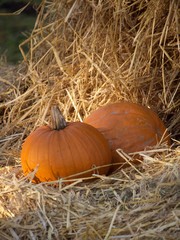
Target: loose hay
[
  {"x": 84, "y": 54},
  {"x": 130, "y": 204}
]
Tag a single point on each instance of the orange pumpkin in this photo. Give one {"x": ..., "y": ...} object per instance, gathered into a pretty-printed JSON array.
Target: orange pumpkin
[
  {"x": 64, "y": 150},
  {"x": 128, "y": 126}
]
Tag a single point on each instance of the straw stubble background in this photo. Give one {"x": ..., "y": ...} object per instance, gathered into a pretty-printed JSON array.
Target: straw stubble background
[{"x": 82, "y": 55}]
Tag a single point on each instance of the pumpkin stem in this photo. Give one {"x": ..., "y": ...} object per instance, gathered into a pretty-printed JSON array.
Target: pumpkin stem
[{"x": 57, "y": 119}]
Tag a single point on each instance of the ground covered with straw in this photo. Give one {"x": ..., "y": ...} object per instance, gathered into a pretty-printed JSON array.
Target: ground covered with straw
[{"x": 82, "y": 55}]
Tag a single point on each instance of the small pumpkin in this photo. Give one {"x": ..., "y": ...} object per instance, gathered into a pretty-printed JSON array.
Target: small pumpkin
[
  {"x": 128, "y": 126},
  {"x": 65, "y": 149}
]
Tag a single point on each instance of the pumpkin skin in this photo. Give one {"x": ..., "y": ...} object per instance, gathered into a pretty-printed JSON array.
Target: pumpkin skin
[
  {"x": 65, "y": 152},
  {"x": 128, "y": 126}
]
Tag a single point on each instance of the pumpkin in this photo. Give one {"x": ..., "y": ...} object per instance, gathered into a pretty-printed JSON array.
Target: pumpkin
[
  {"x": 128, "y": 126},
  {"x": 64, "y": 150}
]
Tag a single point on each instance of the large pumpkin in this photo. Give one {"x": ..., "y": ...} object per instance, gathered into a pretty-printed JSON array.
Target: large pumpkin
[
  {"x": 128, "y": 126},
  {"x": 64, "y": 150}
]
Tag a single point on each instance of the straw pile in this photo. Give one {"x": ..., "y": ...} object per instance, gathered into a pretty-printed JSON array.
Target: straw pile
[{"x": 84, "y": 54}]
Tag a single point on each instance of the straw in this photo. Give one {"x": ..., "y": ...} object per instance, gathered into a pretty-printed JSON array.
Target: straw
[{"x": 83, "y": 55}]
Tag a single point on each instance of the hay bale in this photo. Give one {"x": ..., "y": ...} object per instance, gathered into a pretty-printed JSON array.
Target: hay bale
[{"x": 84, "y": 54}]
